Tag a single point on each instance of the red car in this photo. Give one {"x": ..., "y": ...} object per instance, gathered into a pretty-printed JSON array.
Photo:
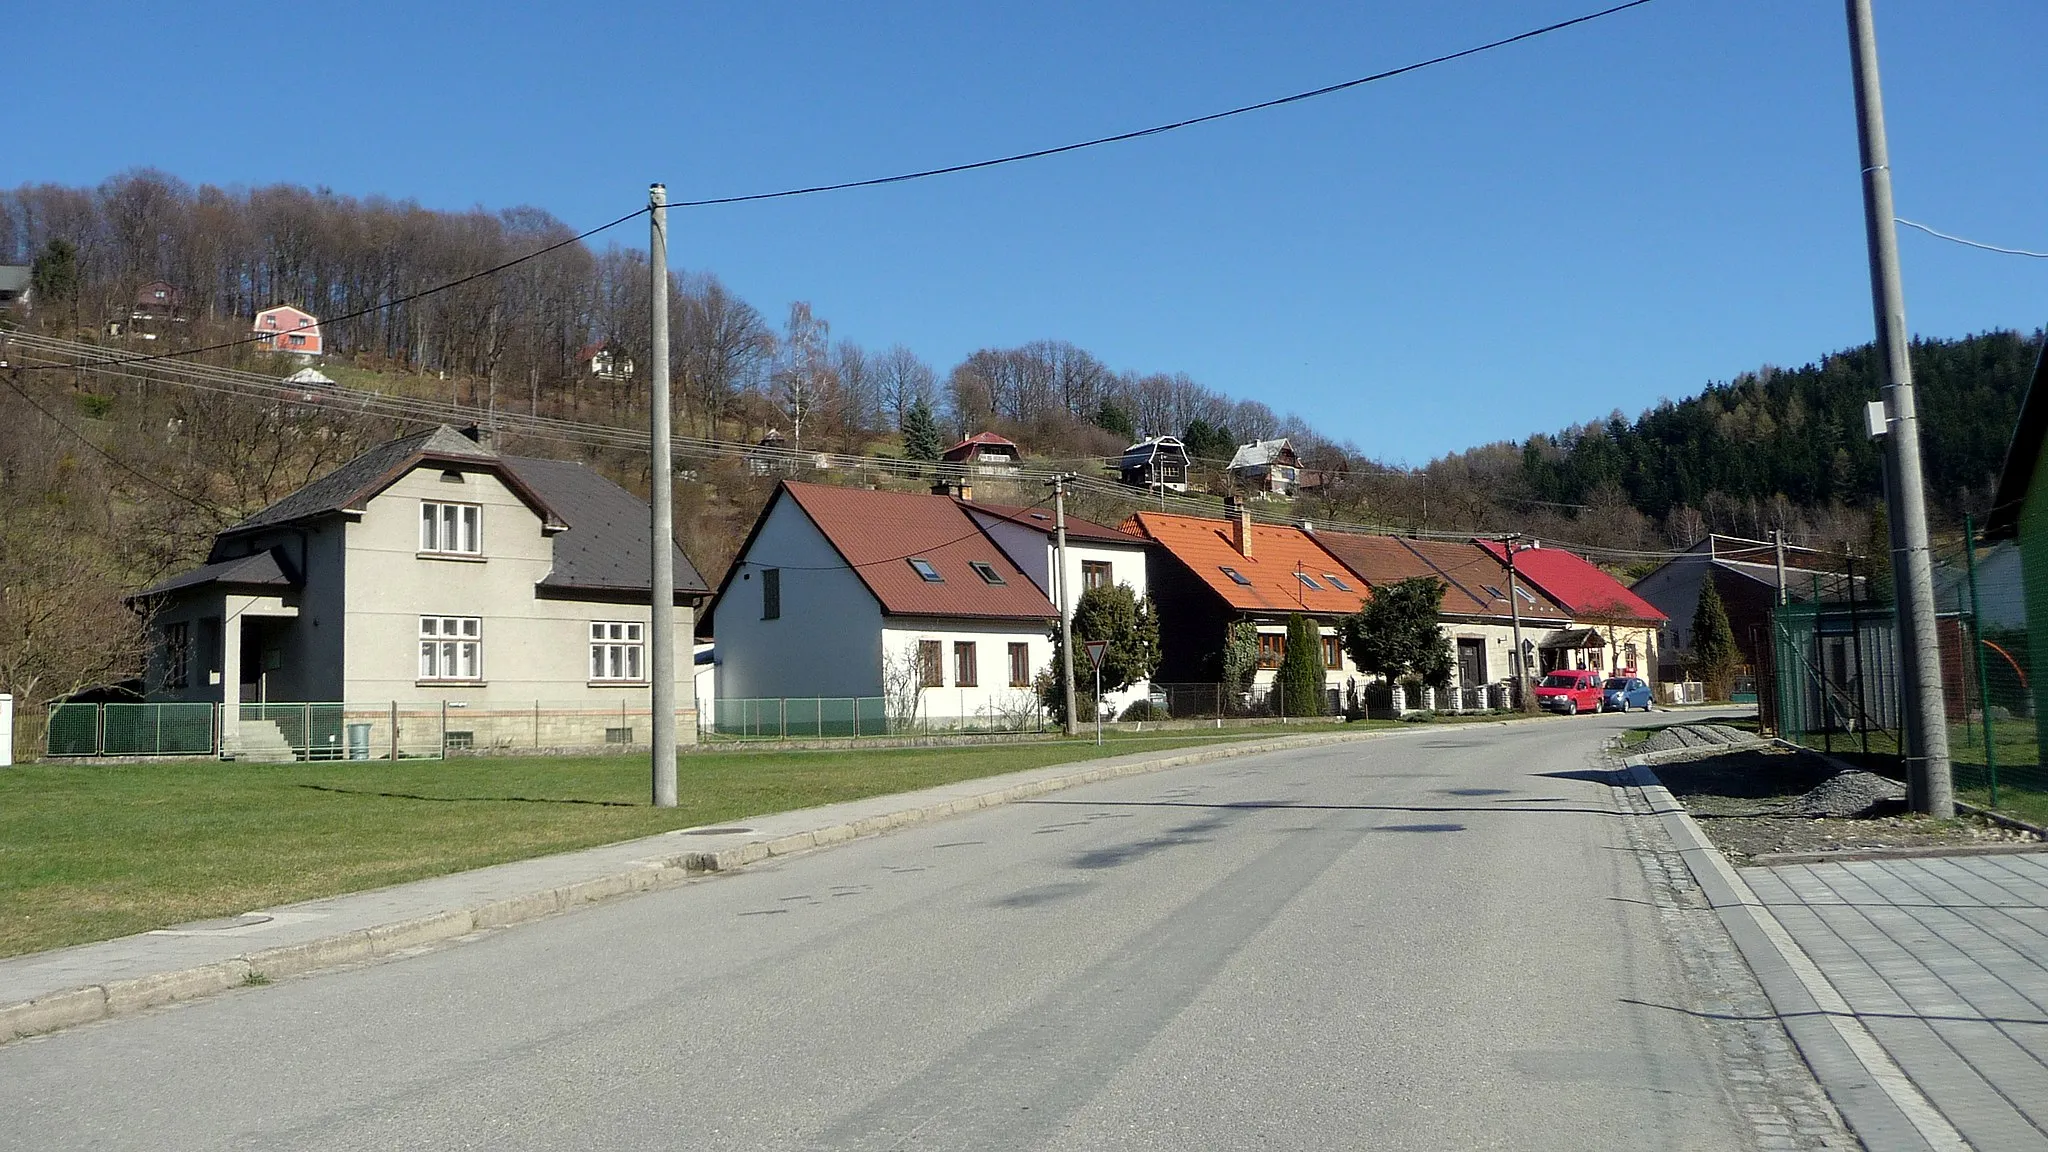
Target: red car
[{"x": 1570, "y": 691}]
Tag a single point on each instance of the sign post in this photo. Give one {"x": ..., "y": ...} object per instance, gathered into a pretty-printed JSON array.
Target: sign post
[{"x": 1096, "y": 648}]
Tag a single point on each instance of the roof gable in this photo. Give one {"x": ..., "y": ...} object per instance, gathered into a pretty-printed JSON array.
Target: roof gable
[
  {"x": 1270, "y": 580},
  {"x": 1585, "y": 591},
  {"x": 878, "y": 533},
  {"x": 354, "y": 484}
]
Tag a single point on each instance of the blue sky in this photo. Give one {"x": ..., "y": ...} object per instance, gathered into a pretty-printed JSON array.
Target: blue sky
[{"x": 1507, "y": 244}]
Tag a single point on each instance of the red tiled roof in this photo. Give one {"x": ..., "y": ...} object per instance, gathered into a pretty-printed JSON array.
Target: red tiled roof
[
  {"x": 1585, "y": 591},
  {"x": 1040, "y": 520},
  {"x": 878, "y": 533},
  {"x": 1472, "y": 578},
  {"x": 1203, "y": 546}
]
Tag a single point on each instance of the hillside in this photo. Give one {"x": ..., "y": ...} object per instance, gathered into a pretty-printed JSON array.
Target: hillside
[{"x": 117, "y": 476}]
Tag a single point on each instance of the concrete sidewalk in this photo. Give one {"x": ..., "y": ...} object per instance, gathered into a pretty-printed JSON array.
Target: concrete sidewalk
[
  {"x": 1916, "y": 987},
  {"x": 44, "y": 991}
]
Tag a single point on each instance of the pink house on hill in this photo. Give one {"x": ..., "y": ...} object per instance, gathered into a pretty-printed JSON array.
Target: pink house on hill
[{"x": 288, "y": 329}]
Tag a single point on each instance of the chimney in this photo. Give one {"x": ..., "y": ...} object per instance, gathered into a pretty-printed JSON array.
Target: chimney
[
  {"x": 1309, "y": 527},
  {"x": 1240, "y": 516}
]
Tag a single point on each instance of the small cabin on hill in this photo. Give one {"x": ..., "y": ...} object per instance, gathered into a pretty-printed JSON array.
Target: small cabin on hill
[
  {"x": 288, "y": 329},
  {"x": 1155, "y": 462}
]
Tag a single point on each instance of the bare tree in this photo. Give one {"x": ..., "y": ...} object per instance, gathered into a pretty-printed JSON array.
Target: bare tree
[
  {"x": 803, "y": 371},
  {"x": 905, "y": 381}
]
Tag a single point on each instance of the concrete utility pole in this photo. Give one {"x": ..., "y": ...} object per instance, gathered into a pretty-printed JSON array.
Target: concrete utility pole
[
  {"x": 661, "y": 615},
  {"x": 1778, "y": 543},
  {"x": 1520, "y": 663},
  {"x": 1059, "y": 565},
  {"x": 1930, "y": 788}
]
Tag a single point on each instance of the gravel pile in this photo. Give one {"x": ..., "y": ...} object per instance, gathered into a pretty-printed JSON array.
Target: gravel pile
[
  {"x": 1850, "y": 793},
  {"x": 1680, "y": 736}
]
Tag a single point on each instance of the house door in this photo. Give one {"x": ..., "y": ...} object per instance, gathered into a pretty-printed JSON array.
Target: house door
[{"x": 1471, "y": 663}]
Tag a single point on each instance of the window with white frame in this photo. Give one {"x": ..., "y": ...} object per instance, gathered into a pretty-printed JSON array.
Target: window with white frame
[
  {"x": 451, "y": 529},
  {"x": 616, "y": 650},
  {"x": 451, "y": 648}
]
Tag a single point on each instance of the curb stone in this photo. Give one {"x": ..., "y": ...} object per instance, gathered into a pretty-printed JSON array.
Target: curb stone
[
  {"x": 71, "y": 1007},
  {"x": 1880, "y": 1104}
]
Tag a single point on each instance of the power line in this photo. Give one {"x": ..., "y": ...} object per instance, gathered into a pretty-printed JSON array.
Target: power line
[
  {"x": 1159, "y": 129},
  {"x": 357, "y": 403},
  {"x": 109, "y": 457},
  {"x": 361, "y": 312},
  {"x": 1970, "y": 243}
]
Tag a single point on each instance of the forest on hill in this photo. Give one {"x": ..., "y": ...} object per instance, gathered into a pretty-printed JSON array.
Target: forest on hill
[{"x": 113, "y": 477}]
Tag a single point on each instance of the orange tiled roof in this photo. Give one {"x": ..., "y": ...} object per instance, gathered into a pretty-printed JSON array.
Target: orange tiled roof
[{"x": 1203, "y": 546}]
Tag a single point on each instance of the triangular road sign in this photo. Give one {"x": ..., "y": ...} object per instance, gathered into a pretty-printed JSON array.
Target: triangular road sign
[{"x": 1095, "y": 650}]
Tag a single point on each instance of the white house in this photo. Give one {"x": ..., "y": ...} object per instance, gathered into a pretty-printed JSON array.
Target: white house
[
  {"x": 427, "y": 572},
  {"x": 1097, "y": 557},
  {"x": 887, "y": 605},
  {"x": 1268, "y": 467}
]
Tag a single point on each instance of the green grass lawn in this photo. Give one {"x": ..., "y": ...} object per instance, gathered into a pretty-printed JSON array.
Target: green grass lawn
[{"x": 90, "y": 852}]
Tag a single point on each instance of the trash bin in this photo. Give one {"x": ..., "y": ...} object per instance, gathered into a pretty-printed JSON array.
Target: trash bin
[{"x": 359, "y": 741}]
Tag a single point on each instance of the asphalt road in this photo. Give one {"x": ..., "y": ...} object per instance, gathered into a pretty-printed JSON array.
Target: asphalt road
[{"x": 1440, "y": 940}]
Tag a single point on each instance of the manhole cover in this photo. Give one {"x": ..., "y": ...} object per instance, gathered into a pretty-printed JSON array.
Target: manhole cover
[{"x": 716, "y": 831}]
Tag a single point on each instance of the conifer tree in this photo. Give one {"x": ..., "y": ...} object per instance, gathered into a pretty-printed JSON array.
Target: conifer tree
[
  {"x": 1714, "y": 655},
  {"x": 1300, "y": 680},
  {"x": 920, "y": 432}
]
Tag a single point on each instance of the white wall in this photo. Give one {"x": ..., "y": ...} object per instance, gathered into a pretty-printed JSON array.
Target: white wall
[
  {"x": 828, "y": 639},
  {"x": 992, "y": 694}
]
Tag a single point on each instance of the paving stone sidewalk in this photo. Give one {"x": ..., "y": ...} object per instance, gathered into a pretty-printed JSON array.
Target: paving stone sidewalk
[{"x": 1945, "y": 961}]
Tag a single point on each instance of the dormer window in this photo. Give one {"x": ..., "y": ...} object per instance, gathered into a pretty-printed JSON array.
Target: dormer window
[
  {"x": 987, "y": 572},
  {"x": 926, "y": 571},
  {"x": 451, "y": 529}
]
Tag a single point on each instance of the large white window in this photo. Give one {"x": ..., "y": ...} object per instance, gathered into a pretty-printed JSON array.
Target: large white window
[
  {"x": 451, "y": 648},
  {"x": 616, "y": 650},
  {"x": 451, "y": 528}
]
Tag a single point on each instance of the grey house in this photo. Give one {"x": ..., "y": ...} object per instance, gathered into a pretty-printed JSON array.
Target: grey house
[{"x": 427, "y": 570}]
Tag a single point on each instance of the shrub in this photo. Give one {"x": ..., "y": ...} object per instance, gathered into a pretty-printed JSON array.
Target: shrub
[{"x": 1143, "y": 710}]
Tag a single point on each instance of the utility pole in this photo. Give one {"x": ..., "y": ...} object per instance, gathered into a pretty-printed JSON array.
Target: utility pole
[
  {"x": 1930, "y": 788},
  {"x": 1778, "y": 542},
  {"x": 1059, "y": 567},
  {"x": 661, "y": 612},
  {"x": 1520, "y": 663}
]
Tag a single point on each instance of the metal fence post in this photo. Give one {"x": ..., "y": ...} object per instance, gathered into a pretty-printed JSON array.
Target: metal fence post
[
  {"x": 394, "y": 732},
  {"x": 1977, "y": 647}
]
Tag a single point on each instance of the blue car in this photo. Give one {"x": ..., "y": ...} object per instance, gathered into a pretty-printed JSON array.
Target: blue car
[{"x": 1623, "y": 693}]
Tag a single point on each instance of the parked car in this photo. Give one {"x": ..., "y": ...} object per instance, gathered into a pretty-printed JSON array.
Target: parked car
[
  {"x": 1570, "y": 691},
  {"x": 1623, "y": 693}
]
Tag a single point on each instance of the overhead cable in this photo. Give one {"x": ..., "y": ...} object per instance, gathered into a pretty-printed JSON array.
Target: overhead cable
[{"x": 1160, "y": 129}]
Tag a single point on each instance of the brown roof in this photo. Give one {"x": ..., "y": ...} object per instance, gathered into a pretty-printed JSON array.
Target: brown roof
[
  {"x": 1040, "y": 520},
  {"x": 1476, "y": 584},
  {"x": 879, "y": 533},
  {"x": 1202, "y": 545}
]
